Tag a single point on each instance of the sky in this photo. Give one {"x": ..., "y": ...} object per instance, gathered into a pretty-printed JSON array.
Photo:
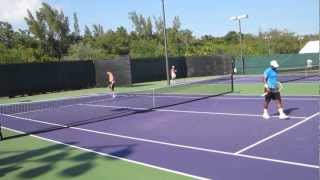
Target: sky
[{"x": 202, "y": 17}]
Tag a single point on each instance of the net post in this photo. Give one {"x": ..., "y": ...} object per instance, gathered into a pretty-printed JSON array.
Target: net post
[
  {"x": 306, "y": 71},
  {"x": 1, "y": 136},
  {"x": 232, "y": 83},
  {"x": 1, "y": 121},
  {"x": 153, "y": 98},
  {"x": 233, "y": 65}
]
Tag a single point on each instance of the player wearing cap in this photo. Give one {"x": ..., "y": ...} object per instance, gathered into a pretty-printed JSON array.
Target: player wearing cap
[{"x": 271, "y": 85}]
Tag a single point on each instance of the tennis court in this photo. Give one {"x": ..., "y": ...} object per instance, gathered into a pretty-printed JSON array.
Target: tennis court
[
  {"x": 159, "y": 90},
  {"x": 196, "y": 135}
]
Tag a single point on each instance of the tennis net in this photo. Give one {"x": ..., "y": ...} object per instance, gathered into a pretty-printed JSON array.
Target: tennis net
[
  {"x": 76, "y": 111},
  {"x": 310, "y": 73}
]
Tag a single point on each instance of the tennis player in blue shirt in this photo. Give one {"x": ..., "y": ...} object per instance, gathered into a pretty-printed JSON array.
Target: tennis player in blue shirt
[{"x": 272, "y": 86}]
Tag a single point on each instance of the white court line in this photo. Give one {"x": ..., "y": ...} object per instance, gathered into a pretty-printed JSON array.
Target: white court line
[
  {"x": 112, "y": 156},
  {"x": 276, "y": 134},
  {"x": 172, "y": 144},
  {"x": 182, "y": 111}
]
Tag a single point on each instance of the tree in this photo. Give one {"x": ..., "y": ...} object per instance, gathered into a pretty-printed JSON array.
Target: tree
[
  {"x": 176, "y": 24},
  {"x": 141, "y": 48},
  {"x": 76, "y": 25},
  {"x": 83, "y": 51},
  {"x": 16, "y": 46},
  {"x": 232, "y": 37},
  {"x": 135, "y": 19},
  {"x": 87, "y": 32},
  {"x": 76, "y": 28},
  {"x": 143, "y": 26},
  {"x": 49, "y": 38},
  {"x": 158, "y": 25},
  {"x": 122, "y": 41},
  {"x": 6, "y": 34},
  {"x": 51, "y": 28},
  {"x": 148, "y": 28},
  {"x": 283, "y": 41},
  {"x": 97, "y": 30},
  {"x": 113, "y": 43}
]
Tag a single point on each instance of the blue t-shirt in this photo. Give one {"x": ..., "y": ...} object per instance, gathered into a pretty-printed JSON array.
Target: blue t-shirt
[{"x": 271, "y": 76}]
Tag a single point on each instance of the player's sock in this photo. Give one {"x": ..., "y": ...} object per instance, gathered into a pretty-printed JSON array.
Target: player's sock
[{"x": 281, "y": 111}]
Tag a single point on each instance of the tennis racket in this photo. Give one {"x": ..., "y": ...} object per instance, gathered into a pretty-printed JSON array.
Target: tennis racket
[
  {"x": 279, "y": 86},
  {"x": 265, "y": 90}
]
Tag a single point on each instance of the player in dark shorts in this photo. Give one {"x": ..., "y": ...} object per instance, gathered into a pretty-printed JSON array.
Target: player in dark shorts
[
  {"x": 111, "y": 83},
  {"x": 272, "y": 91}
]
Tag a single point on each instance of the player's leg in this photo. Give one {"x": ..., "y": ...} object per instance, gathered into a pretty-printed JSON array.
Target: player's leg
[
  {"x": 112, "y": 89},
  {"x": 174, "y": 78},
  {"x": 267, "y": 100},
  {"x": 282, "y": 115},
  {"x": 109, "y": 85}
]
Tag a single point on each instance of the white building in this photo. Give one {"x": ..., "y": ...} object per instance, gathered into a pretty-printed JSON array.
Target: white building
[{"x": 310, "y": 47}]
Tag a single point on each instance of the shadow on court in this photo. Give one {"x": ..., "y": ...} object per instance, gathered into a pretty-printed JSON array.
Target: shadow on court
[
  {"x": 288, "y": 111},
  {"x": 48, "y": 160}
]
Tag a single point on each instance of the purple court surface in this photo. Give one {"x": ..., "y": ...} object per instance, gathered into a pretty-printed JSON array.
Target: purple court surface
[{"x": 220, "y": 138}]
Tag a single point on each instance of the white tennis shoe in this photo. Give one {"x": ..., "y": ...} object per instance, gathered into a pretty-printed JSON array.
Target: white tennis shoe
[
  {"x": 283, "y": 116},
  {"x": 266, "y": 116}
]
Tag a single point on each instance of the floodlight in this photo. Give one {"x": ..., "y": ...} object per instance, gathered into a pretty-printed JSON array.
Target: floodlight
[{"x": 245, "y": 16}]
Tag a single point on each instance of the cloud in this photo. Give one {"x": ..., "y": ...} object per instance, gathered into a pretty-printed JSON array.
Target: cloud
[{"x": 14, "y": 11}]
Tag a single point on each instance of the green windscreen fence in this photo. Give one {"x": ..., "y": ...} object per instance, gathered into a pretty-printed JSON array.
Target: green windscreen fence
[
  {"x": 154, "y": 69},
  {"x": 21, "y": 79},
  {"x": 257, "y": 64}
]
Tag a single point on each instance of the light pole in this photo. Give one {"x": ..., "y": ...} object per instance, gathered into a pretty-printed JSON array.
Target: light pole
[
  {"x": 268, "y": 39},
  {"x": 165, "y": 42},
  {"x": 239, "y": 18}
]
